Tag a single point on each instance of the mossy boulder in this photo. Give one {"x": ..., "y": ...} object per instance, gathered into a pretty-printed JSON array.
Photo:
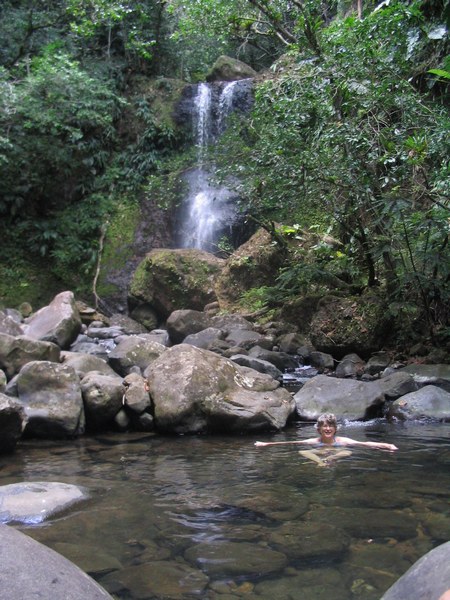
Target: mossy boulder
[
  {"x": 229, "y": 69},
  {"x": 354, "y": 324},
  {"x": 171, "y": 280},
  {"x": 254, "y": 264}
]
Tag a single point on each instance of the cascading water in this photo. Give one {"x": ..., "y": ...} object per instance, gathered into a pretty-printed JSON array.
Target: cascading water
[{"x": 209, "y": 211}]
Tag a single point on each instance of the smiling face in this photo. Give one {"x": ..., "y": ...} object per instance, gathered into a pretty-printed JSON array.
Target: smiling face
[
  {"x": 327, "y": 431},
  {"x": 327, "y": 427}
]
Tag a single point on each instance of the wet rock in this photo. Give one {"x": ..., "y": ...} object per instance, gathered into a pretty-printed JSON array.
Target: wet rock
[
  {"x": 229, "y": 69},
  {"x": 428, "y": 578},
  {"x": 282, "y": 360},
  {"x": 350, "y": 366},
  {"x": 205, "y": 338},
  {"x": 210, "y": 393},
  {"x": 182, "y": 323},
  {"x": 30, "y": 570},
  {"x": 322, "y": 361},
  {"x": 307, "y": 540},
  {"x": 377, "y": 363},
  {"x": 237, "y": 558},
  {"x": 348, "y": 399},
  {"x": 330, "y": 584},
  {"x": 263, "y": 366},
  {"x": 397, "y": 384},
  {"x": 160, "y": 579},
  {"x": 35, "y": 502},
  {"x": 430, "y": 374},
  {"x": 430, "y": 402}
]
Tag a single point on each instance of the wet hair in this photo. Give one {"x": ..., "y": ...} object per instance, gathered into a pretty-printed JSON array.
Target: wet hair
[{"x": 326, "y": 418}]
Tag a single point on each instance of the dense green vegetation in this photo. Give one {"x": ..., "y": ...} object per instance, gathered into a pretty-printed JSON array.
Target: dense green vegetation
[{"x": 347, "y": 145}]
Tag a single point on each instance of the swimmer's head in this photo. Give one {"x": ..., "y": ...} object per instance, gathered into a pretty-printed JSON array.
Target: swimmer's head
[{"x": 326, "y": 419}]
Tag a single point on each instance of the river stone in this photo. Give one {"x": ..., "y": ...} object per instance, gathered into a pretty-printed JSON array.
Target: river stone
[
  {"x": 3, "y": 381},
  {"x": 323, "y": 585},
  {"x": 15, "y": 352},
  {"x": 59, "y": 322},
  {"x": 91, "y": 559},
  {"x": 235, "y": 558},
  {"x": 30, "y": 570},
  {"x": 430, "y": 402},
  {"x": 347, "y": 399},
  {"x": 197, "y": 391},
  {"x": 397, "y": 384},
  {"x": 350, "y": 366},
  {"x": 35, "y": 502},
  {"x": 430, "y": 374},
  {"x": 134, "y": 351},
  {"x": 427, "y": 579},
  {"x": 229, "y": 322},
  {"x": 277, "y": 502},
  {"x": 103, "y": 397},
  {"x": 309, "y": 540},
  {"x": 205, "y": 338},
  {"x": 263, "y": 366},
  {"x": 136, "y": 396},
  {"x": 85, "y": 363},
  {"x": 282, "y": 360},
  {"x": 369, "y": 523},
  {"x": 51, "y": 396},
  {"x": 229, "y": 69},
  {"x": 160, "y": 579}
]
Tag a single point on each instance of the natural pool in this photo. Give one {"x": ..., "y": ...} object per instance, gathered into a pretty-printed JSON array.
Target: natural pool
[{"x": 218, "y": 519}]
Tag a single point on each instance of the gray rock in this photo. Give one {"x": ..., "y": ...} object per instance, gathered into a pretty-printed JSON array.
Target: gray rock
[
  {"x": 134, "y": 351},
  {"x": 85, "y": 363},
  {"x": 204, "y": 338},
  {"x": 289, "y": 342},
  {"x": 282, "y": 360},
  {"x": 208, "y": 393},
  {"x": 136, "y": 396},
  {"x": 262, "y": 366},
  {"x": 128, "y": 325},
  {"x": 12, "y": 419},
  {"x": 15, "y": 352},
  {"x": 321, "y": 360},
  {"x": 3, "y": 381},
  {"x": 182, "y": 323},
  {"x": 230, "y": 322},
  {"x": 103, "y": 397},
  {"x": 397, "y": 384},
  {"x": 30, "y": 570},
  {"x": 51, "y": 397},
  {"x": 9, "y": 325},
  {"x": 430, "y": 402},
  {"x": 146, "y": 316},
  {"x": 244, "y": 338},
  {"x": 377, "y": 363},
  {"x": 59, "y": 322},
  {"x": 34, "y": 502},
  {"x": 346, "y": 398},
  {"x": 350, "y": 366},
  {"x": 427, "y": 579}
]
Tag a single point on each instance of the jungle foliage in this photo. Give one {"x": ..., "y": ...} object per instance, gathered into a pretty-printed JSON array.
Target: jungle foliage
[{"x": 346, "y": 146}]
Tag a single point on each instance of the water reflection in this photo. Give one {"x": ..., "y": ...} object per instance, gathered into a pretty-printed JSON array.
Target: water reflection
[{"x": 217, "y": 518}]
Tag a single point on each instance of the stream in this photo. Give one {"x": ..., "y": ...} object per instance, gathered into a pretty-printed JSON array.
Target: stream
[{"x": 218, "y": 518}]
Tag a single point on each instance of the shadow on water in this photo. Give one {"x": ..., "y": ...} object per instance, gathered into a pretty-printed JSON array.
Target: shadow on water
[{"x": 216, "y": 517}]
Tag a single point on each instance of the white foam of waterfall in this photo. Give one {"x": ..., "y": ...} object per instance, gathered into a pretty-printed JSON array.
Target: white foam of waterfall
[{"x": 208, "y": 209}]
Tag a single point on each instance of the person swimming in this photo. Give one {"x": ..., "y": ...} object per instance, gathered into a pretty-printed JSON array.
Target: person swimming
[{"x": 327, "y": 427}]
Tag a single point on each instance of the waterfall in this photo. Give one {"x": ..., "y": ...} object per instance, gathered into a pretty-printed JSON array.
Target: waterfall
[{"x": 209, "y": 211}]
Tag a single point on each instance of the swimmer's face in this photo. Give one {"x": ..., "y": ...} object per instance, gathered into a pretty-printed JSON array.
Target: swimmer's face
[{"x": 327, "y": 431}]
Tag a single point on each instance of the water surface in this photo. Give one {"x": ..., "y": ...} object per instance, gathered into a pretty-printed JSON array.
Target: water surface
[{"x": 217, "y": 518}]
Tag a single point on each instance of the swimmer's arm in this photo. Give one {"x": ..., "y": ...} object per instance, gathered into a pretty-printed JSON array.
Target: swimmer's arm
[
  {"x": 309, "y": 441},
  {"x": 379, "y": 445}
]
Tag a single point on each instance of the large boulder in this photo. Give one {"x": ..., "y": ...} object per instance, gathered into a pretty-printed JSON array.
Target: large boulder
[
  {"x": 229, "y": 69},
  {"x": 427, "y": 579},
  {"x": 12, "y": 419},
  {"x": 208, "y": 393},
  {"x": 182, "y": 323},
  {"x": 347, "y": 399},
  {"x": 9, "y": 325},
  {"x": 30, "y": 570},
  {"x": 51, "y": 397},
  {"x": 254, "y": 264},
  {"x": 342, "y": 326},
  {"x": 59, "y": 322},
  {"x": 15, "y": 352},
  {"x": 85, "y": 363},
  {"x": 428, "y": 403},
  {"x": 168, "y": 280}
]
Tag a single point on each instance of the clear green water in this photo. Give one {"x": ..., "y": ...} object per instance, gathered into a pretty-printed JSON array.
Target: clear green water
[{"x": 216, "y": 518}]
